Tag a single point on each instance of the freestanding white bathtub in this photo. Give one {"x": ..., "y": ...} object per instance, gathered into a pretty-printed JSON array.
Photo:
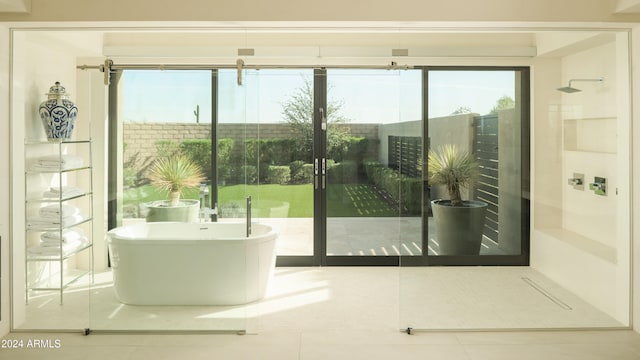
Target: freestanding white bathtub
[{"x": 167, "y": 263}]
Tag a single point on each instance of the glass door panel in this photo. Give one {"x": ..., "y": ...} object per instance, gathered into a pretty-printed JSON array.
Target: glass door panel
[
  {"x": 478, "y": 114},
  {"x": 476, "y": 127},
  {"x": 162, "y": 123},
  {"x": 265, "y": 150},
  {"x": 373, "y": 147}
]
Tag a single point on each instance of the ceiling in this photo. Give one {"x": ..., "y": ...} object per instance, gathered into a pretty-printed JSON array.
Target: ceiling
[{"x": 15, "y": 6}]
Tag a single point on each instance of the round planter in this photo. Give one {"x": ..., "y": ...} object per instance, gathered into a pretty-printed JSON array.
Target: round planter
[
  {"x": 459, "y": 228},
  {"x": 186, "y": 211},
  {"x": 58, "y": 114}
]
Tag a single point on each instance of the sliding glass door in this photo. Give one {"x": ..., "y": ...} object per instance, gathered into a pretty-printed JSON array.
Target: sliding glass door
[
  {"x": 373, "y": 148},
  {"x": 335, "y": 159},
  {"x": 480, "y": 113}
]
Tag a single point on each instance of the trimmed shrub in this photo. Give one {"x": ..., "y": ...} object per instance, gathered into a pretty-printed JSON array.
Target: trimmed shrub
[
  {"x": 349, "y": 172},
  {"x": 297, "y": 176},
  {"x": 199, "y": 151},
  {"x": 224, "y": 173},
  {"x": 278, "y": 175},
  {"x": 411, "y": 195},
  {"x": 307, "y": 172},
  {"x": 246, "y": 174},
  {"x": 225, "y": 149},
  {"x": 270, "y": 151},
  {"x": 334, "y": 174},
  {"x": 405, "y": 191},
  {"x": 345, "y": 172}
]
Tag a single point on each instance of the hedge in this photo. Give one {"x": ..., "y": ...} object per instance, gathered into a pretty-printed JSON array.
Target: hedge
[
  {"x": 199, "y": 150},
  {"x": 404, "y": 190},
  {"x": 278, "y": 175}
]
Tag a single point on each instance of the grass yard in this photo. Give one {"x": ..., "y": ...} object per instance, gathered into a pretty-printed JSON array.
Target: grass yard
[{"x": 343, "y": 200}]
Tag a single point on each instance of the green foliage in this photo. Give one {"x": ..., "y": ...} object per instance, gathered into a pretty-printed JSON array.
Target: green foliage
[
  {"x": 338, "y": 140},
  {"x": 199, "y": 151},
  {"x": 308, "y": 172},
  {"x": 405, "y": 191},
  {"x": 452, "y": 168},
  {"x": 130, "y": 177},
  {"x": 270, "y": 151},
  {"x": 175, "y": 174},
  {"x": 224, "y": 173},
  {"x": 225, "y": 151},
  {"x": 166, "y": 148},
  {"x": 135, "y": 169},
  {"x": 411, "y": 195},
  {"x": 462, "y": 110},
  {"x": 505, "y": 102},
  {"x": 345, "y": 172},
  {"x": 278, "y": 175},
  {"x": 297, "y": 175},
  {"x": 247, "y": 174},
  {"x": 297, "y": 111}
]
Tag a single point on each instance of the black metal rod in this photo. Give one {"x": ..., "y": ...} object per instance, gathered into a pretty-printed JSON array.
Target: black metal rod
[{"x": 248, "y": 215}]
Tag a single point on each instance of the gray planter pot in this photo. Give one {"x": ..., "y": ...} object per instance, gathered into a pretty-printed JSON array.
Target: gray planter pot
[
  {"x": 459, "y": 228},
  {"x": 186, "y": 211}
]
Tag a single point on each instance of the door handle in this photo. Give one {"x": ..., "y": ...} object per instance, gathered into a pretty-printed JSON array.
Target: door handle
[
  {"x": 324, "y": 173},
  {"x": 315, "y": 174},
  {"x": 323, "y": 120}
]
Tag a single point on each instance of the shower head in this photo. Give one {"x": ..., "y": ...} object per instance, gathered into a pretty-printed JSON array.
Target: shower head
[{"x": 568, "y": 89}]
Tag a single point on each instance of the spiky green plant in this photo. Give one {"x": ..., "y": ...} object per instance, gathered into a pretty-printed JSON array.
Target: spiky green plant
[
  {"x": 175, "y": 174},
  {"x": 452, "y": 168}
]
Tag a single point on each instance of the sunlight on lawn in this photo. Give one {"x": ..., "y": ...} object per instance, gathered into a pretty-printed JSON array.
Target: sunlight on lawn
[{"x": 343, "y": 200}]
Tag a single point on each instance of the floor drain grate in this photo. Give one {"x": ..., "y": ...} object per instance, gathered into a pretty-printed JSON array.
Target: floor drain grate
[{"x": 547, "y": 294}]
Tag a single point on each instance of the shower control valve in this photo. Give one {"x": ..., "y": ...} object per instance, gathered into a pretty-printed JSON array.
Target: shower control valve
[
  {"x": 577, "y": 181},
  {"x": 599, "y": 186}
]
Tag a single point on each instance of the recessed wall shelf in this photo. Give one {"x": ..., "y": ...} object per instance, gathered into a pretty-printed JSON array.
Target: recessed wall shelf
[{"x": 590, "y": 135}]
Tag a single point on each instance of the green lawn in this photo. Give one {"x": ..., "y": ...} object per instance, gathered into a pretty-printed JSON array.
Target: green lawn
[{"x": 343, "y": 200}]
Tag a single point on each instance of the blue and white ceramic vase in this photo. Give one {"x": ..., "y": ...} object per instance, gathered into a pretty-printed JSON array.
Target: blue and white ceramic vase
[{"x": 58, "y": 114}]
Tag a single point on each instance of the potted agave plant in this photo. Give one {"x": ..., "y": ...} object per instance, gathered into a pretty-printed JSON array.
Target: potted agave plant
[
  {"x": 459, "y": 223},
  {"x": 174, "y": 175}
]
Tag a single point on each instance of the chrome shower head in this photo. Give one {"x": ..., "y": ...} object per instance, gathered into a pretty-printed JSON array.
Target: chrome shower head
[{"x": 568, "y": 89}]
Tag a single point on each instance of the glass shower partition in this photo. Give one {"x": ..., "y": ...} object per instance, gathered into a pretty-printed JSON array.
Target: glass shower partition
[
  {"x": 164, "y": 274},
  {"x": 473, "y": 140}
]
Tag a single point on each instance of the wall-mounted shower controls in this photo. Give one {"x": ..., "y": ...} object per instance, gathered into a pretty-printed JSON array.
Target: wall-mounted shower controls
[
  {"x": 599, "y": 186},
  {"x": 577, "y": 181}
]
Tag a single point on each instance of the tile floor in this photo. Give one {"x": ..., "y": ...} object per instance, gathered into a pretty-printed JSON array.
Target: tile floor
[
  {"x": 349, "y": 298},
  {"x": 334, "y": 345},
  {"x": 341, "y": 313}
]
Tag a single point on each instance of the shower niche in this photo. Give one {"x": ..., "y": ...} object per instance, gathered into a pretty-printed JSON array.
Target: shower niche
[{"x": 590, "y": 135}]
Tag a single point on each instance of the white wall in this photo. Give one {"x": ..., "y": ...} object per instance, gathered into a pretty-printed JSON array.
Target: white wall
[
  {"x": 4, "y": 184},
  {"x": 586, "y": 250},
  {"x": 635, "y": 54},
  {"x": 38, "y": 62},
  {"x": 594, "y": 113}
]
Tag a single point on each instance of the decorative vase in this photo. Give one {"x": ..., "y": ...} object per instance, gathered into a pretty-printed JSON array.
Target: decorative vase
[{"x": 58, "y": 114}]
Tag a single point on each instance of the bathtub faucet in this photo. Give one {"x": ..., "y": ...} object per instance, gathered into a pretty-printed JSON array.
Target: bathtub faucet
[{"x": 206, "y": 212}]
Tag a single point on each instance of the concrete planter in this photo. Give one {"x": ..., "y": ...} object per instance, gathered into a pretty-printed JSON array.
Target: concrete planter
[
  {"x": 459, "y": 228},
  {"x": 186, "y": 211}
]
